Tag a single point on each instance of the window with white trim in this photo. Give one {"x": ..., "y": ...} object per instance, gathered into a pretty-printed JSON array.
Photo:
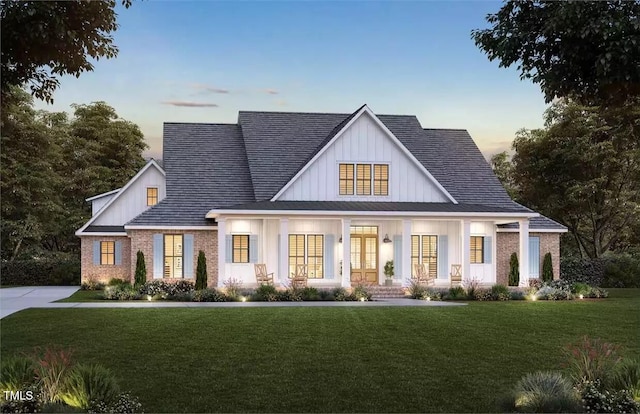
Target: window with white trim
[
  {"x": 363, "y": 179},
  {"x": 424, "y": 250}
]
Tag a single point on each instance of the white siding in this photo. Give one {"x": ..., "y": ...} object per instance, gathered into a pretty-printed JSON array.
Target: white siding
[
  {"x": 485, "y": 273},
  {"x": 134, "y": 199},
  {"x": 98, "y": 203},
  {"x": 365, "y": 142},
  {"x": 440, "y": 228},
  {"x": 244, "y": 272}
]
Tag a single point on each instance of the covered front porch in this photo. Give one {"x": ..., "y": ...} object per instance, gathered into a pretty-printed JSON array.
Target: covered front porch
[{"x": 363, "y": 244}]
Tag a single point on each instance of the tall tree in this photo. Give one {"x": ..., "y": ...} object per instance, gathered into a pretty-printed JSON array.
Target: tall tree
[
  {"x": 503, "y": 169},
  {"x": 583, "y": 169},
  {"x": 42, "y": 40},
  {"x": 586, "y": 49}
]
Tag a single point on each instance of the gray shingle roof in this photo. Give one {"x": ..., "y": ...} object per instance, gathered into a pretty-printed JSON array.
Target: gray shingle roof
[
  {"x": 104, "y": 229},
  {"x": 221, "y": 165},
  {"x": 206, "y": 167},
  {"x": 540, "y": 223},
  {"x": 382, "y": 206}
]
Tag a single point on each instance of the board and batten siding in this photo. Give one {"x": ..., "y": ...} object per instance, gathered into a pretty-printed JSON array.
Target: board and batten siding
[
  {"x": 364, "y": 142},
  {"x": 245, "y": 272},
  {"x": 134, "y": 199},
  {"x": 485, "y": 272},
  {"x": 98, "y": 203}
]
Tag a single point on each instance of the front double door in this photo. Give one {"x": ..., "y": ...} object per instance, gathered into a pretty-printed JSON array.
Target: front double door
[{"x": 364, "y": 255}]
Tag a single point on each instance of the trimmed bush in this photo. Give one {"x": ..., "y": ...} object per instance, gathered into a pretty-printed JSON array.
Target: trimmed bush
[
  {"x": 339, "y": 294},
  {"x": 201, "y": 271},
  {"x": 41, "y": 272},
  {"x": 87, "y": 384},
  {"x": 543, "y": 392},
  {"x": 482, "y": 294},
  {"x": 547, "y": 268},
  {"x": 500, "y": 292},
  {"x": 141, "y": 270},
  {"x": 589, "y": 271},
  {"x": 457, "y": 293},
  {"x": 266, "y": 293},
  {"x": 114, "y": 281},
  {"x": 622, "y": 271},
  {"x": 514, "y": 270},
  {"x": 121, "y": 292}
]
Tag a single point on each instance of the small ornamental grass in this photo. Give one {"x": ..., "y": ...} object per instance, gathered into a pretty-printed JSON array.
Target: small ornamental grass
[
  {"x": 592, "y": 359},
  {"x": 542, "y": 392},
  {"x": 16, "y": 374},
  {"x": 87, "y": 385}
]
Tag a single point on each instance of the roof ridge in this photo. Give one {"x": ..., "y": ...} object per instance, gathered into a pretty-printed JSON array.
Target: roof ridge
[
  {"x": 200, "y": 123},
  {"x": 445, "y": 129}
]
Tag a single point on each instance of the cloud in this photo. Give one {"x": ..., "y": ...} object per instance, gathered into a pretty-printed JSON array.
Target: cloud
[
  {"x": 208, "y": 88},
  {"x": 271, "y": 91},
  {"x": 191, "y": 104}
]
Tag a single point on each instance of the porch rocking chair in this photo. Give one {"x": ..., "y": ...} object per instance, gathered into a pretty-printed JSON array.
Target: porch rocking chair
[
  {"x": 299, "y": 278},
  {"x": 456, "y": 275},
  {"x": 422, "y": 276},
  {"x": 262, "y": 277}
]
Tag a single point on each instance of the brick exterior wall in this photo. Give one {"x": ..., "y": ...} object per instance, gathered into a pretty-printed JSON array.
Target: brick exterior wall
[
  {"x": 104, "y": 273},
  {"x": 508, "y": 243},
  {"x": 205, "y": 240}
]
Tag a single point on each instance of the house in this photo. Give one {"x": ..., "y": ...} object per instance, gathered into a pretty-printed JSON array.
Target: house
[{"x": 333, "y": 191}]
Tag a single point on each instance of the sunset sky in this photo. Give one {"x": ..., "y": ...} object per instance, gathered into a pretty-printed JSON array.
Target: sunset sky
[{"x": 203, "y": 61}]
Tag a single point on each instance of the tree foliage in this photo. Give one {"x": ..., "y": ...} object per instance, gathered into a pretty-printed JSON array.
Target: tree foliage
[
  {"x": 201, "y": 271},
  {"x": 141, "y": 270},
  {"x": 586, "y": 49},
  {"x": 503, "y": 169},
  {"x": 50, "y": 164},
  {"x": 43, "y": 40},
  {"x": 514, "y": 270},
  {"x": 583, "y": 169}
]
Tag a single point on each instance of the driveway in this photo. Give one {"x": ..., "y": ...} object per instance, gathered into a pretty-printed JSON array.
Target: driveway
[{"x": 18, "y": 298}]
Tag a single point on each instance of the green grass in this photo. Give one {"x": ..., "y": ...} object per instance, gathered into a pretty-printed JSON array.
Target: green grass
[
  {"x": 354, "y": 359},
  {"x": 84, "y": 296}
]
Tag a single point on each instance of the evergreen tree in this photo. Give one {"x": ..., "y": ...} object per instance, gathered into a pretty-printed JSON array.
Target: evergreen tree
[
  {"x": 547, "y": 268},
  {"x": 141, "y": 270},
  {"x": 201, "y": 271},
  {"x": 514, "y": 270}
]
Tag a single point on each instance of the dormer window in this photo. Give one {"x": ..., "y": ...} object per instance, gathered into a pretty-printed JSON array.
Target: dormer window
[
  {"x": 360, "y": 178},
  {"x": 152, "y": 196}
]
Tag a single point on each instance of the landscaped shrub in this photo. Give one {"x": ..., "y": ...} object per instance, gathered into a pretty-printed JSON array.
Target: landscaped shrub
[
  {"x": 627, "y": 377},
  {"x": 622, "y": 271},
  {"x": 326, "y": 294},
  {"x": 457, "y": 293},
  {"x": 115, "y": 281},
  {"x": 266, "y": 293},
  {"x": 141, "y": 270},
  {"x": 547, "y": 268},
  {"x": 591, "y": 360},
  {"x": 56, "y": 271},
  {"x": 514, "y": 270},
  {"x": 482, "y": 294},
  {"x": 16, "y": 374},
  {"x": 470, "y": 285},
  {"x": 596, "y": 292},
  {"x": 500, "y": 292},
  {"x": 166, "y": 290},
  {"x": 92, "y": 283},
  {"x": 516, "y": 295},
  {"x": 416, "y": 290},
  {"x": 201, "y": 271},
  {"x": 59, "y": 407},
  {"x": 360, "y": 293},
  {"x": 88, "y": 383},
  {"x": 543, "y": 392},
  {"x": 596, "y": 399},
  {"x": 121, "y": 292},
  {"x": 125, "y": 403},
  {"x": 232, "y": 288},
  {"x": 551, "y": 293},
  {"x": 589, "y": 271},
  {"x": 339, "y": 294},
  {"x": 580, "y": 288},
  {"x": 310, "y": 294},
  {"x": 432, "y": 294}
]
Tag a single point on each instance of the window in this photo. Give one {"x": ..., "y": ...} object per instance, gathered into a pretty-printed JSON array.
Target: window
[
  {"x": 346, "y": 179},
  {"x": 309, "y": 250},
  {"x": 240, "y": 248},
  {"x": 107, "y": 253},
  {"x": 152, "y": 196},
  {"x": 315, "y": 255},
  {"x": 363, "y": 179},
  {"x": 173, "y": 255},
  {"x": 296, "y": 252},
  {"x": 381, "y": 179},
  {"x": 424, "y": 249},
  {"x": 477, "y": 249}
]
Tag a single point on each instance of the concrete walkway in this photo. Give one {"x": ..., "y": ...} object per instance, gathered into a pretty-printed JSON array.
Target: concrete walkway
[
  {"x": 18, "y": 298},
  {"x": 40, "y": 297}
]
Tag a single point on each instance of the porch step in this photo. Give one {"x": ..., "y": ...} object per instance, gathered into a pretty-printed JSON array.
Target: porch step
[{"x": 386, "y": 292}]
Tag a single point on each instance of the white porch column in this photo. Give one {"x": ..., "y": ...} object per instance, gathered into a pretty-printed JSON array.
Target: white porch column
[
  {"x": 283, "y": 257},
  {"x": 406, "y": 252},
  {"x": 524, "y": 252},
  {"x": 465, "y": 233},
  {"x": 222, "y": 249},
  {"x": 346, "y": 253}
]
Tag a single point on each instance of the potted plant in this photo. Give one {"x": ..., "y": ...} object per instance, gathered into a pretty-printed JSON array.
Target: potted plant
[{"x": 388, "y": 273}]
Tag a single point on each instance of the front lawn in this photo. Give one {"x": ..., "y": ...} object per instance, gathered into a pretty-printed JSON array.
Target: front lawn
[{"x": 453, "y": 359}]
